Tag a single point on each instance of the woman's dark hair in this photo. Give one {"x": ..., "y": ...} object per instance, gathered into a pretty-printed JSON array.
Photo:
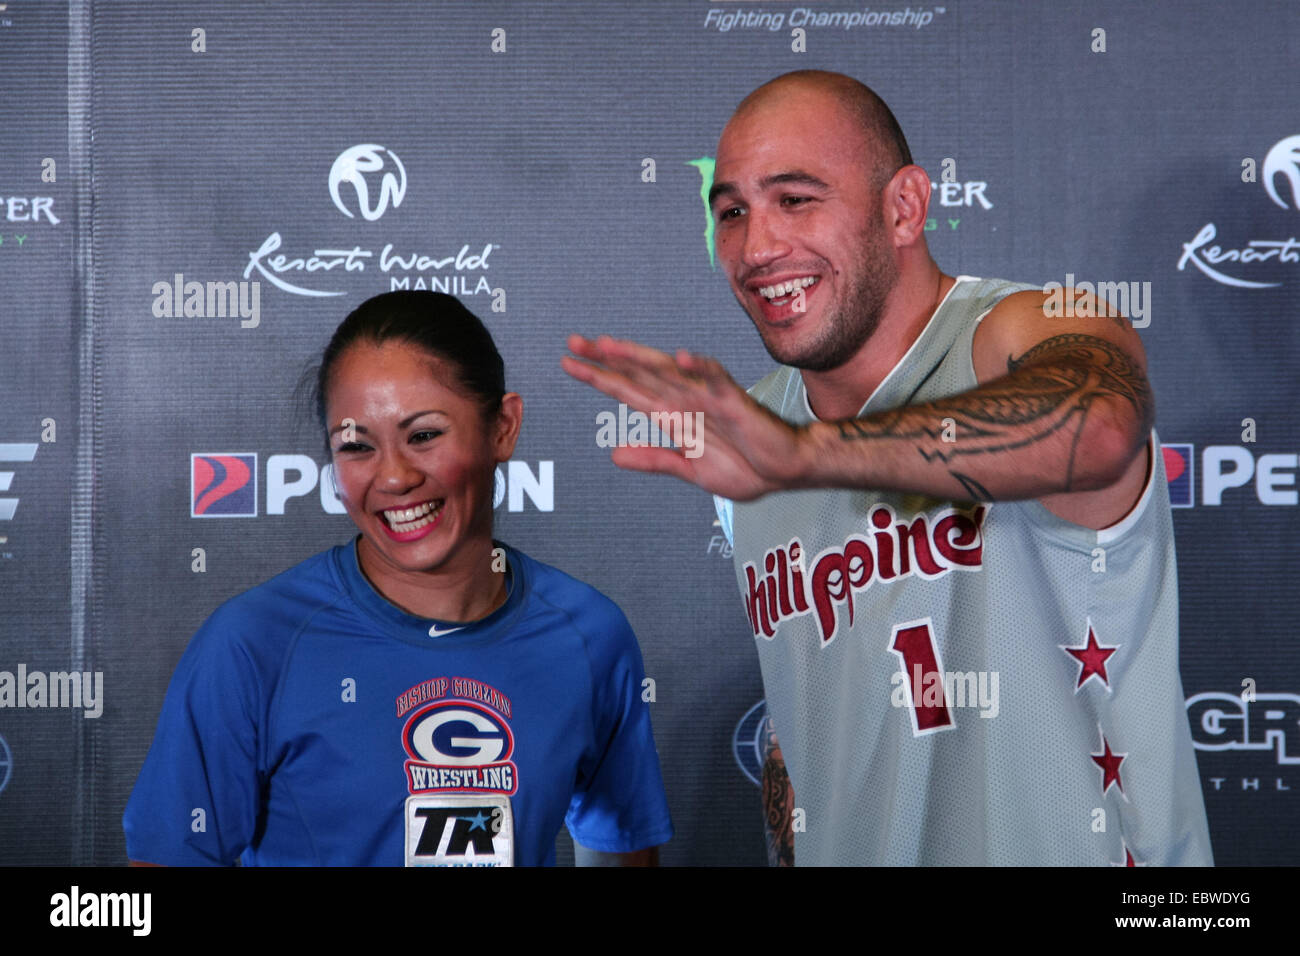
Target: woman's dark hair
[{"x": 432, "y": 321}]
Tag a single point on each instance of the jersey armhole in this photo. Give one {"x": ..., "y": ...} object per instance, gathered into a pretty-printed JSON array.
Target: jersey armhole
[
  {"x": 970, "y": 344},
  {"x": 1082, "y": 536},
  {"x": 1114, "y": 532}
]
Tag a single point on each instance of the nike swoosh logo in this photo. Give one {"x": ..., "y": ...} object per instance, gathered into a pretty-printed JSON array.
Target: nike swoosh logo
[{"x": 436, "y": 631}]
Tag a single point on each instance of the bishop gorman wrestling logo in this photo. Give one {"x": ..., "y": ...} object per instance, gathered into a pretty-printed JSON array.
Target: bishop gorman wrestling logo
[{"x": 458, "y": 745}]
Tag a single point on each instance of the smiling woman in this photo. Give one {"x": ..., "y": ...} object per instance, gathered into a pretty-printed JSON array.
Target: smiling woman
[{"x": 425, "y": 694}]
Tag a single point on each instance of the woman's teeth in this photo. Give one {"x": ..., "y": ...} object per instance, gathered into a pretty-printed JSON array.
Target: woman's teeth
[{"x": 402, "y": 520}]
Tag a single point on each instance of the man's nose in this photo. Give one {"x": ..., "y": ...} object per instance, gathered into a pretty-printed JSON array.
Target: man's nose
[{"x": 765, "y": 240}]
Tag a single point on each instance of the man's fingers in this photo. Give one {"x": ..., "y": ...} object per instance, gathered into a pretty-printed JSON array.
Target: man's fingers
[
  {"x": 651, "y": 373},
  {"x": 587, "y": 348},
  {"x": 650, "y": 380},
  {"x": 682, "y": 382},
  {"x": 708, "y": 369},
  {"x": 622, "y": 354},
  {"x": 611, "y": 383},
  {"x": 663, "y": 461},
  {"x": 609, "y": 351}
]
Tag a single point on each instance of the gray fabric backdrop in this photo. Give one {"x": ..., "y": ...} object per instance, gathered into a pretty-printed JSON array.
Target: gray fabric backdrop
[{"x": 159, "y": 159}]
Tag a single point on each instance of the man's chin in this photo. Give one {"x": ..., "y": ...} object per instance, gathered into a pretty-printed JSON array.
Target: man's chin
[
  {"x": 814, "y": 358},
  {"x": 819, "y": 356},
  {"x": 781, "y": 346}
]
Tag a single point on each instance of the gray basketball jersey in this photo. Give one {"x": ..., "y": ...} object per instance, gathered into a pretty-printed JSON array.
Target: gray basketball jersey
[{"x": 969, "y": 684}]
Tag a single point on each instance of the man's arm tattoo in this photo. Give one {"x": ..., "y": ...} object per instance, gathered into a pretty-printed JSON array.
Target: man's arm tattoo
[
  {"x": 1048, "y": 389},
  {"x": 778, "y": 797}
]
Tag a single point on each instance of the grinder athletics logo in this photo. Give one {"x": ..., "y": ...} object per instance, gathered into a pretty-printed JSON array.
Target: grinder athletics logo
[{"x": 928, "y": 546}]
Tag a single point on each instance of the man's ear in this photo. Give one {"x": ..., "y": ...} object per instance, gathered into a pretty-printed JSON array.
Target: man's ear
[{"x": 906, "y": 199}]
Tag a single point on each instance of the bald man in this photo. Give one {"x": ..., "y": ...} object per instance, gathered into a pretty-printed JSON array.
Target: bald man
[{"x": 951, "y": 520}]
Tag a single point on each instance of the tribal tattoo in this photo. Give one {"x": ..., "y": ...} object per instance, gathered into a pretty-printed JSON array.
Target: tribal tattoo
[
  {"x": 778, "y": 800},
  {"x": 1049, "y": 389}
]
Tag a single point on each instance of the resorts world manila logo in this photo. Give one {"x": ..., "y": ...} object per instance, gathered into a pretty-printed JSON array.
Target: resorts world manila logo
[
  {"x": 351, "y": 167},
  {"x": 1231, "y": 266},
  {"x": 367, "y": 182}
]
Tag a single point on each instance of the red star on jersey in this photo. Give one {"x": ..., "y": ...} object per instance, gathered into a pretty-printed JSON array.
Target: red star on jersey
[
  {"x": 1109, "y": 764},
  {"x": 1092, "y": 659}
]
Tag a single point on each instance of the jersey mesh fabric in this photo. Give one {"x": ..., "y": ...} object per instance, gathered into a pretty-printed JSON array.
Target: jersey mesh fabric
[{"x": 1012, "y": 779}]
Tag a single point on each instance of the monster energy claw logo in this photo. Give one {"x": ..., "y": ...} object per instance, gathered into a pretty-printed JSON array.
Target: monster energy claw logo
[{"x": 705, "y": 165}]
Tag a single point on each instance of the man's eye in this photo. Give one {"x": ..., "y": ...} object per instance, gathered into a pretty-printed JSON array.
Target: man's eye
[
  {"x": 794, "y": 200},
  {"x": 732, "y": 212}
]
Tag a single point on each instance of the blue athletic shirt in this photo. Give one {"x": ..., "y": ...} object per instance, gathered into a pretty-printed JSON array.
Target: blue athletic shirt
[{"x": 307, "y": 710}]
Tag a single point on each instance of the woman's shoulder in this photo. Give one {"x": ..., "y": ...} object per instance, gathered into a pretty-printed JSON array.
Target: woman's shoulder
[
  {"x": 280, "y": 605},
  {"x": 559, "y": 587},
  {"x": 586, "y": 606}
]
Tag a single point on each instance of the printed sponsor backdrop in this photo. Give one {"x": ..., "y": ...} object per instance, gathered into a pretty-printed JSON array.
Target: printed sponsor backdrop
[{"x": 328, "y": 152}]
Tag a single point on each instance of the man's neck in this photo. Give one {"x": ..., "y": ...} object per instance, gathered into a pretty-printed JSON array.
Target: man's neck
[{"x": 841, "y": 392}]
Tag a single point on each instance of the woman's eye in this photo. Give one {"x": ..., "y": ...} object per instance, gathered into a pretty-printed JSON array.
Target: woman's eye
[
  {"x": 427, "y": 435},
  {"x": 350, "y": 446}
]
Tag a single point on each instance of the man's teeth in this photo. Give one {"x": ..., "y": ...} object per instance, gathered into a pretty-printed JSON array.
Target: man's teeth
[
  {"x": 786, "y": 288},
  {"x": 411, "y": 519}
]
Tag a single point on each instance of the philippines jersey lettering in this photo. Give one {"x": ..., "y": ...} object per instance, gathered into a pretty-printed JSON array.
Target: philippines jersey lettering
[{"x": 962, "y": 683}]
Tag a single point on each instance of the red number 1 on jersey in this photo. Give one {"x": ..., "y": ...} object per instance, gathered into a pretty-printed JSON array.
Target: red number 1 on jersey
[{"x": 914, "y": 644}]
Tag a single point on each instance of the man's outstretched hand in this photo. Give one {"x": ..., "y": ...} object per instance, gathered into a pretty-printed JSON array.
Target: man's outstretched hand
[{"x": 745, "y": 450}]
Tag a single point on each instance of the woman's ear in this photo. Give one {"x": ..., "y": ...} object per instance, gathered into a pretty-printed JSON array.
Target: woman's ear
[{"x": 509, "y": 419}]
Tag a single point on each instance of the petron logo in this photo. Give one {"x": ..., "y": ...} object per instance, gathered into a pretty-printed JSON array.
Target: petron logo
[
  {"x": 12, "y": 451},
  {"x": 947, "y": 195},
  {"x": 1225, "y": 468},
  {"x": 224, "y": 485},
  {"x": 1283, "y": 159},
  {"x": 1179, "y": 470},
  {"x": 367, "y": 158}
]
